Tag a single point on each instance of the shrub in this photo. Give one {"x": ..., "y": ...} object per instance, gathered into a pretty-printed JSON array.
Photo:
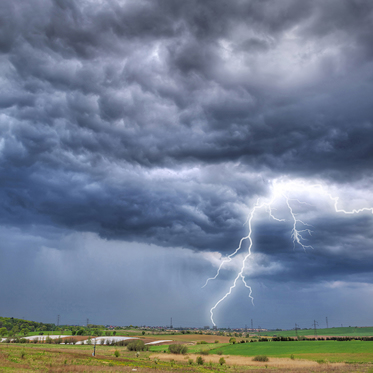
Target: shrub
[
  {"x": 23, "y": 353},
  {"x": 116, "y": 353},
  {"x": 261, "y": 358},
  {"x": 216, "y": 341},
  {"x": 232, "y": 340},
  {"x": 292, "y": 357},
  {"x": 204, "y": 351},
  {"x": 178, "y": 349},
  {"x": 137, "y": 346},
  {"x": 199, "y": 360},
  {"x": 201, "y": 343},
  {"x": 220, "y": 352},
  {"x": 190, "y": 361},
  {"x": 221, "y": 361}
]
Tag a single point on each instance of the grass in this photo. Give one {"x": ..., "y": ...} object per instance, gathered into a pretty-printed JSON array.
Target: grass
[
  {"x": 23, "y": 358},
  {"x": 346, "y": 331},
  {"x": 333, "y": 351},
  {"x": 192, "y": 349}
]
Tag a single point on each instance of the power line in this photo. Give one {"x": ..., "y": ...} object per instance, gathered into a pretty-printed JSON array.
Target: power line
[{"x": 314, "y": 327}]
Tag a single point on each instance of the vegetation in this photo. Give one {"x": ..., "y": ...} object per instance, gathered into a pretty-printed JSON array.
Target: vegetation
[
  {"x": 341, "y": 331},
  {"x": 178, "y": 349},
  {"x": 200, "y": 360},
  {"x": 137, "y": 346},
  {"x": 333, "y": 351},
  {"x": 261, "y": 358}
]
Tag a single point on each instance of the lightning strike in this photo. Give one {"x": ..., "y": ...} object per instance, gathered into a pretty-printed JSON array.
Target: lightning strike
[{"x": 298, "y": 231}]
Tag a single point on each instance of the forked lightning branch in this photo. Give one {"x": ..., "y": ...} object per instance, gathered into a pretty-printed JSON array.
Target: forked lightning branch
[{"x": 299, "y": 232}]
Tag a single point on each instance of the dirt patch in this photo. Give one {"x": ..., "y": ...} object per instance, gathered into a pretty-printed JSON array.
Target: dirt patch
[
  {"x": 273, "y": 362},
  {"x": 198, "y": 337}
]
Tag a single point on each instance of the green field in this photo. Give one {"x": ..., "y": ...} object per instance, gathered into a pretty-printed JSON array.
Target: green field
[
  {"x": 347, "y": 331},
  {"x": 193, "y": 349},
  {"x": 333, "y": 351}
]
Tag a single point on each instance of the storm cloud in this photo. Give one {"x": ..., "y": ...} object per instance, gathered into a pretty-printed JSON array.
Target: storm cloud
[{"x": 162, "y": 123}]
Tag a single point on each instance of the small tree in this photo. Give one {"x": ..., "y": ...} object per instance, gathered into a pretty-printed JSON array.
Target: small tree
[
  {"x": 178, "y": 349},
  {"x": 3, "y": 331},
  {"x": 232, "y": 340},
  {"x": 221, "y": 361}
]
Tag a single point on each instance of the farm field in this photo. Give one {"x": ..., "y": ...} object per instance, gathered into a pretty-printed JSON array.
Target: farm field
[
  {"x": 347, "y": 331},
  {"x": 193, "y": 349},
  {"x": 56, "y": 358},
  {"x": 333, "y": 351}
]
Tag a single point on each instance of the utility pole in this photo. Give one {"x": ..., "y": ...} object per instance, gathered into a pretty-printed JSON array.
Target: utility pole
[
  {"x": 296, "y": 329},
  {"x": 252, "y": 325},
  {"x": 315, "y": 323},
  {"x": 245, "y": 328},
  {"x": 259, "y": 330},
  {"x": 87, "y": 322},
  {"x": 327, "y": 325},
  {"x": 171, "y": 323},
  {"x": 58, "y": 320}
]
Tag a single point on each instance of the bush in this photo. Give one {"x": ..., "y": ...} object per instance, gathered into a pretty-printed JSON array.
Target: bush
[
  {"x": 261, "y": 358},
  {"x": 116, "y": 353},
  {"x": 178, "y": 349},
  {"x": 201, "y": 343},
  {"x": 221, "y": 361},
  {"x": 199, "y": 360},
  {"x": 137, "y": 346},
  {"x": 220, "y": 352},
  {"x": 204, "y": 352},
  {"x": 190, "y": 361},
  {"x": 216, "y": 341},
  {"x": 232, "y": 340},
  {"x": 292, "y": 357}
]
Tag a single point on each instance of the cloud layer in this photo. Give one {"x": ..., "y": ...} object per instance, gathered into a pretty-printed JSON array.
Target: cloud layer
[{"x": 161, "y": 122}]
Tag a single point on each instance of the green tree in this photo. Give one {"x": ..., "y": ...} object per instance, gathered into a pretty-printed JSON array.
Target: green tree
[
  {"x": 3, "y": 331},
  {"x": 25, "y": 331},
  {"x": 232, "y": 340}
]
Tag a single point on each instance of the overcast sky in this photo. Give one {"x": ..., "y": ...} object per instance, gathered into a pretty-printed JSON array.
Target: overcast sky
[{"x": 137, "y": 137}]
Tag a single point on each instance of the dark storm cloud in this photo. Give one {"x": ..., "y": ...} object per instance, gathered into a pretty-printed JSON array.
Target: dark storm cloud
[{"x": 106, "y": 109}]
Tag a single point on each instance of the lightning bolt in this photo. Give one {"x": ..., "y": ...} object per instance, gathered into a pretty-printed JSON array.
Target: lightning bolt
[{"x": 298, "y": 232}]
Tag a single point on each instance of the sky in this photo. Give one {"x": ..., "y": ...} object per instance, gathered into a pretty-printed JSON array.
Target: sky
[{"x": 137, "y": 137}]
